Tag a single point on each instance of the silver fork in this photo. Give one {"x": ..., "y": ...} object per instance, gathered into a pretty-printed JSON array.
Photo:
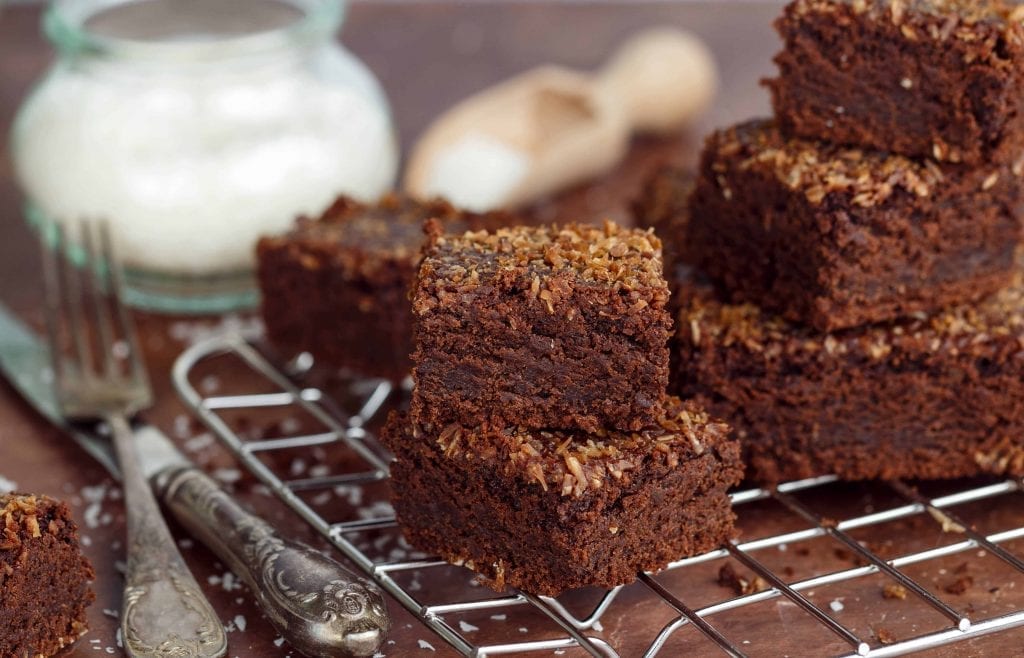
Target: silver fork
[{"x": 101, "y": 377}]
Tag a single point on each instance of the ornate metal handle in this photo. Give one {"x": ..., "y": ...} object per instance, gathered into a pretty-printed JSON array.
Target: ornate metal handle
[
  {"x": 319, "y": 606},
  {"x": 164, "y": 613}
]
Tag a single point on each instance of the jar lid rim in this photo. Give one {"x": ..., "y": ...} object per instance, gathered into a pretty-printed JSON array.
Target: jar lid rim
[{"x": 64, "y": 23}]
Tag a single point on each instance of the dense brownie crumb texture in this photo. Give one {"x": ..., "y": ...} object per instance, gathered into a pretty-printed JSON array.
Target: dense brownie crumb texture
[
  {"x": 44, "y": 579},
  {"x": 930, "y": 397},
  {"x": 541, "y": 327},
  {"x": 548, "y": 511},
  {"x": 541, "y": 449},
  {"x": 926, "y": 78},
  {"x": 337, "y": 286}
]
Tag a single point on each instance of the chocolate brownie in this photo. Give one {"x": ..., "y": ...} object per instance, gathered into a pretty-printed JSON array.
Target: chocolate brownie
[
  {"x": 44, "y": 579},
  {"x": 926, "y": 397},
  {"x": 923, "y": 78},
  {"x": 550, "y": 511},
  {"x": 837, "y": 237},
  {"x": 663, "y": 206},
  {"x": 541, "y": 327},
  {"x": 338, "y": 286}
]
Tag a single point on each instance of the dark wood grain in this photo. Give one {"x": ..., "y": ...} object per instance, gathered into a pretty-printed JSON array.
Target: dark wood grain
[{"x": 427, "y": 56}]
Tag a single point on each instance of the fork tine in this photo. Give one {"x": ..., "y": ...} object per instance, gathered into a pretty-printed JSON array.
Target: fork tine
[
  {"x": 72, "y": 288},
  {"x": 52, "y": 293},
  {"x": 115, "y": 280},
  {"x": 94, "y": 266}
]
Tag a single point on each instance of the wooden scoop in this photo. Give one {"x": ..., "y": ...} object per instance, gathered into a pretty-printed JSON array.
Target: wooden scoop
[{"x": 552, "y": 127}]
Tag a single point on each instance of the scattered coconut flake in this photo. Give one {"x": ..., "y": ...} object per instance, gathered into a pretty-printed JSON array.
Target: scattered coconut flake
[
  {"x": 227, "y": 475},
  {"x": 598, "y": 627},
  {"x": 352, "y": 494},
  {"x": 7, "y": 485},
  {"x": 240, "y": 622},
  {"x": 191, "y": 333},
  {"x": 837, "y": 606},
  {"x": 182, "y": 426},
  {"x": 467, "y": 627},
  {"x": 199, "y": 442},
  {"x": 501, "y": 617},
  {"x": 426, "y": 645},
  {"x": 379, "y": 509},
  {"x": 278, "y": 641}
]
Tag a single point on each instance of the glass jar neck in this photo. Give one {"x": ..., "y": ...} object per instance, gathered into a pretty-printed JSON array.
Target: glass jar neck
[{"x": 189, "y": 32}]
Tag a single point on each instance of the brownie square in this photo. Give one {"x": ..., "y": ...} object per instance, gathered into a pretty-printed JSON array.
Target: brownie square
[
  {"x": 930, "y": 397},
  {"x": 44, "y": 578},
  {"x": 546, "y": 512},
  {"x": 835, "y": 237},
  {"x": 925, "y": 78},
  {"x": 541, "y": 327},
  {"x": 338, "y": 286}
]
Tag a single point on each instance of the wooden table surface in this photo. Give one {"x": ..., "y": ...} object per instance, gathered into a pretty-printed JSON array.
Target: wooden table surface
[{"x": 427, "y": 55}]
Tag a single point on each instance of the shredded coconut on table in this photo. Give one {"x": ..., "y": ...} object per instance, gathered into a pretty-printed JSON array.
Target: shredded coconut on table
[{"x": 7, "y": 485}]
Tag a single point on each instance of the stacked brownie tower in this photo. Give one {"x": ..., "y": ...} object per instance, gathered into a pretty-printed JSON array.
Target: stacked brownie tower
[
  {"x": 541, "y": 449},
  {"x": 864, "y": 314}
]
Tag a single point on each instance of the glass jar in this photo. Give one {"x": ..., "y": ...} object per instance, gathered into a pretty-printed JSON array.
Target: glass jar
[{"x": 195, "y": 126}]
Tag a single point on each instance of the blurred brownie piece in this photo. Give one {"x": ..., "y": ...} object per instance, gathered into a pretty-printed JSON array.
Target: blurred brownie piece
[
  {"x": 338, "y": 286},
  {"x": 541, "y": 327},
  {"x": 44, "y": 578},
  {"x": 924, "y": 78},
  {"x": 837, "y": 237},
  {"x": 663, "y": 206},
  {"x": 928, "y": 397},
  {"x": 549, "y": 511}
]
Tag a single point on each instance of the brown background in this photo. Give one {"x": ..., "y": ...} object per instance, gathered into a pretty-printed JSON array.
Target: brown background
[{"x": 427, "y": 55}]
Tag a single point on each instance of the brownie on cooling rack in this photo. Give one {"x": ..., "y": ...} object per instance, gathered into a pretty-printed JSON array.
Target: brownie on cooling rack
[
  {"x": 337, "y": 286},
  {"x": 928, "y": 397},
  {"x": 549, "y": 511},
  {"x": 925, "y": 78},
  {"x": 836, "y": 237},
  {"x": 44, "y": 579},
  {"x": 541, "y": 327}
]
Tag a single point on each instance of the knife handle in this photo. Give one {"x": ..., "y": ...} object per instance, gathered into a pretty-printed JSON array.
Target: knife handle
[{"x": 320, "y": 607}]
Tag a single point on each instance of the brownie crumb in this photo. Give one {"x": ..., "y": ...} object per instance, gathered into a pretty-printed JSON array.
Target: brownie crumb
[
  {"x": 894, "y": 591},
  {"x": 885, "y": 636},
  {"x": 729, "y": 578},
  {"x": 959, "y": 586}
]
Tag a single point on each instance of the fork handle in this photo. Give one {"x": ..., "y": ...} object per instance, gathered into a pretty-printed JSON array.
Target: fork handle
[
  {"x": 318, "y": 605},
  {"x": 164, "y": 613}
]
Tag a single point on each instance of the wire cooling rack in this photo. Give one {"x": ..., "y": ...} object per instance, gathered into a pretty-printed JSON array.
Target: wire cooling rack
[{"x": 904, "y": 576}]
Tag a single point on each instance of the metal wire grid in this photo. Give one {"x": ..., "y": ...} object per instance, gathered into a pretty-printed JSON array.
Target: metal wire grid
[{"x": 349, "y": 429}]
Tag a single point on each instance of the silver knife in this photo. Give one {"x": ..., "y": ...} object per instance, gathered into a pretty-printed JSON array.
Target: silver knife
[{"x": 319, "y": 606}]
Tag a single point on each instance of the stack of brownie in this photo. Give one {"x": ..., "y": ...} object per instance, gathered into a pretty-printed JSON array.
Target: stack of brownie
[
  {"x": 540, "y": 448},
  {"x": 854, "y": 305}
]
